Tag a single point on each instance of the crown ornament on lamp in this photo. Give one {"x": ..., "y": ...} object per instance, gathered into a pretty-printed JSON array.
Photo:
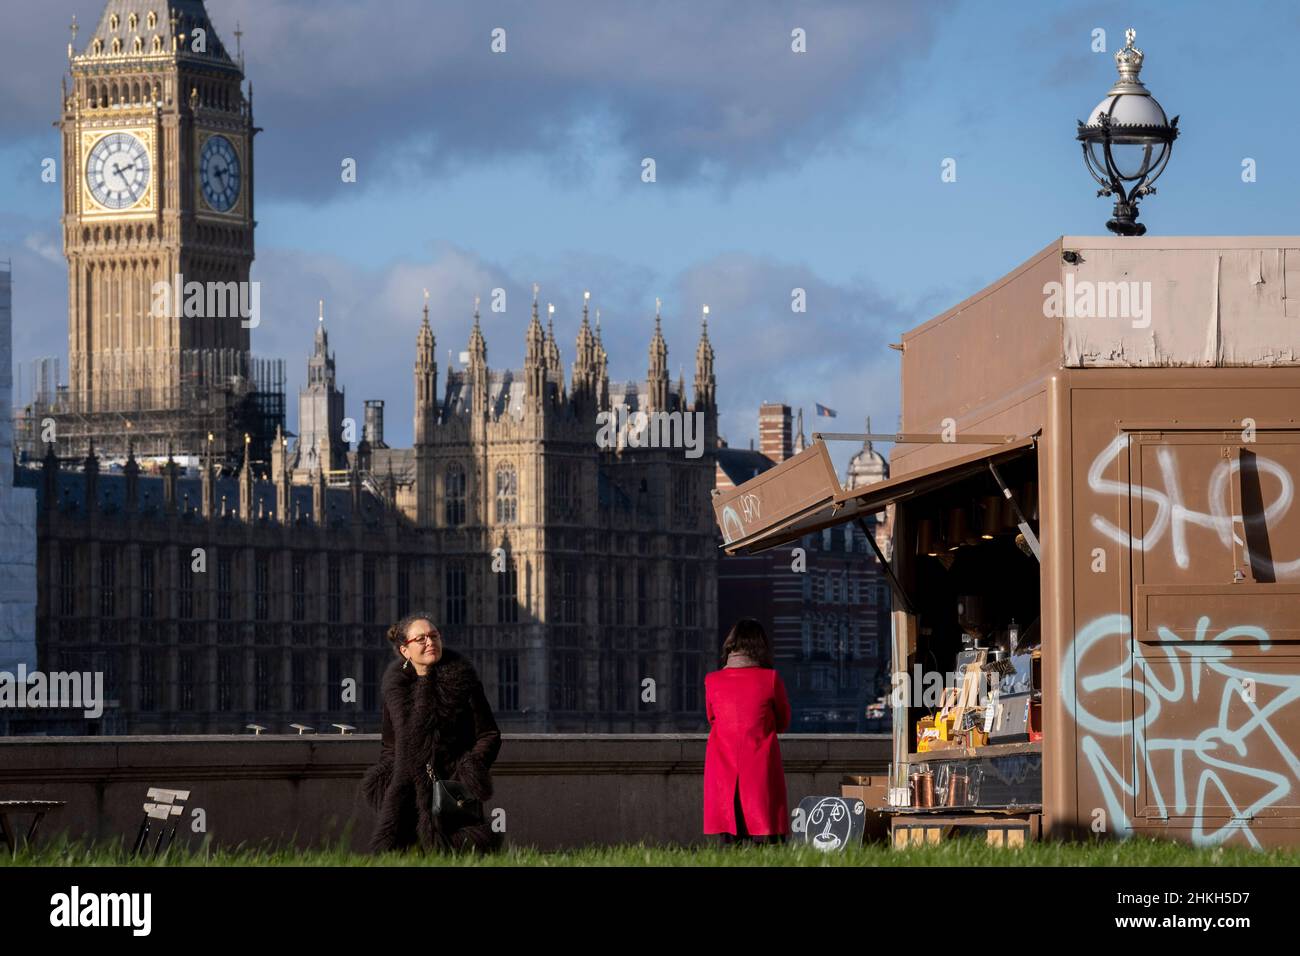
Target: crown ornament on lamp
[{"x": 1127, "y": 141}]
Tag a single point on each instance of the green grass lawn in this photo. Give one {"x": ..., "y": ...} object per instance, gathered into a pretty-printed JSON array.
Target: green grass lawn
[{"x": 961, "y": 852}]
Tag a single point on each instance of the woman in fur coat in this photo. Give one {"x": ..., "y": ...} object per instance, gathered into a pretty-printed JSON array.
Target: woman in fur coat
[{"x": 434, "y": 707}]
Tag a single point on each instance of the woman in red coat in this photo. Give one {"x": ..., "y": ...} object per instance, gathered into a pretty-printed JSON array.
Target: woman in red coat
[{"x": 744, "y": 783}]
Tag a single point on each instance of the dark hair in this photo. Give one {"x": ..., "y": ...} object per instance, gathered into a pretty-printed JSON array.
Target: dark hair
[
  {"x": 397, "y": 633},
  {"x": 748, "y": 637}
]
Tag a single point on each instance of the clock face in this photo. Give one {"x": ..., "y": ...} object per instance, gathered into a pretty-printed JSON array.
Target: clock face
[
  {"x": 219, "y": 173},
  {"x": 117, "y": 171}
]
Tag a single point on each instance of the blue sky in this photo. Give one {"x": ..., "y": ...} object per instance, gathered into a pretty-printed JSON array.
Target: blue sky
[{"x": 774, "y": 170}]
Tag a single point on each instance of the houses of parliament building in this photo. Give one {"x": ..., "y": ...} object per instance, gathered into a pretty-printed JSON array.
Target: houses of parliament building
[{"x": 222, "y": 574}]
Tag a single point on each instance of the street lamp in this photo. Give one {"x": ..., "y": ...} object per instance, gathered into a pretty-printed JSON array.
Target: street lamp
[{"x": 1127, "y": 139}]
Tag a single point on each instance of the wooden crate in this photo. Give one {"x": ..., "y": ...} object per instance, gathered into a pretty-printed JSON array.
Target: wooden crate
[{"x": 998, "y": 829}]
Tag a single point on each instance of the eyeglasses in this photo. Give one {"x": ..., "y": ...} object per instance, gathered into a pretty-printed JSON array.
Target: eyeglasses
[{"x": 433, "y": 637}]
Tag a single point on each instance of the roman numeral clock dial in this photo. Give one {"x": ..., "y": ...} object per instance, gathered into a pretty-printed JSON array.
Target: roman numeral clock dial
[
  {"x": 117, "y": 171},
  {"x": 219, "y": 173}
]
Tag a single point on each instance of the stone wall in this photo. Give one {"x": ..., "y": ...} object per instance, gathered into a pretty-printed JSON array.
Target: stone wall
[{"x": 556, "y": 790}]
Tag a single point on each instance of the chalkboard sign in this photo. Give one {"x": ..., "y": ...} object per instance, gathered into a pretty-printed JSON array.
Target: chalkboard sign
[{"x": 828, "y": 824}]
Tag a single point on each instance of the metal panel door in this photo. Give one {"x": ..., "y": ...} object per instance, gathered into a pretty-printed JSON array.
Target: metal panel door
[{"x": 1215, "y": 638}]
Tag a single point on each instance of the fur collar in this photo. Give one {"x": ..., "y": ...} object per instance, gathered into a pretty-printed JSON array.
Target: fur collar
[{"x": 440, "y": 695}]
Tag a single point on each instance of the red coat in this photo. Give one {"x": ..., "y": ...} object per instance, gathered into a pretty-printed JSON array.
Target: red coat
[{"x": 747, "y": 708}]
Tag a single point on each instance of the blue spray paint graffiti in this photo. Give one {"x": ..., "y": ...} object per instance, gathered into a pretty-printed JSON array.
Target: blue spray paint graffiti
[{"x": 1218, "y": 757}]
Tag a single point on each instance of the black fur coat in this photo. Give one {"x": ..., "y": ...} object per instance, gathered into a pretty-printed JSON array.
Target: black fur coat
[{"x": 445, "y": 714}]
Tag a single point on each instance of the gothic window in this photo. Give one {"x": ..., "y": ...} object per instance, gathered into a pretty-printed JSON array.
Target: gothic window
[
  {"x": 683, "y": 500},
  {"x": 455, "y": 593},
  {"x": 333, "y": 677},
  {"x": 454, "y": 495},
  {"x": 642, "y": 597},
  {"x": 227, "y": 679},
  {"x": 97, "y": 47},
  {"x": 113, "y": 22},
  {"x": 299, "y": 586},
  {"x": 621, "y": 681},
  {"x": 266, "y": 681},
  {"x": 370, "y": 683},
  {"x": 157, "y": 44},
  {"x": 146, "y": 584},
  {"x": 262, "y": 587},
  {"x": 117, "y": 45},
  {"x": 602, "y": 600},
  {"x": 185, "y": 680},
  {"x": 686, "y": 682},
  {"x": 620, "y": 596},
  {"x": 67, "y": 580},
  {"x": 403, "y": 587},
  {"x": 334, "y": 585},
  {"x": 299, "y": 682},
  {"x": 560, "y": 496},
  {"x": 565, "y": 680},
  {"x": 508, "y": 682},
  {"x": 132, "y": 20},
  {"x": 107, "y": 582},
  {"x": 570, "y": 596},
  {"x": 225, "y": 571},
  {"x": 185, "y": 578},
  {"x": 137, "y": 46},
  {"x": 679, "y": 606},
  {"x": 507, "y": 495},
  {"x": 148, "y": 680},
  {"x": 691, "y": 595},
  {"x": 507, "y": 594},
  {"x": 368, "y": 589}
]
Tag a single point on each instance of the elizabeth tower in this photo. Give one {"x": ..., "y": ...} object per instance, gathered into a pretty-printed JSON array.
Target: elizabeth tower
[{"x": 157, "y": 138}]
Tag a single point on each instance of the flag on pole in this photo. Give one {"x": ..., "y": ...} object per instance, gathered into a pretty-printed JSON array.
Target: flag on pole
[{"x": 823, "y": 410}]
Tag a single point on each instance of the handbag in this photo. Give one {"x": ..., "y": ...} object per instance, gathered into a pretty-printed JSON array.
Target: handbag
[{"x": 451, "y": 802}]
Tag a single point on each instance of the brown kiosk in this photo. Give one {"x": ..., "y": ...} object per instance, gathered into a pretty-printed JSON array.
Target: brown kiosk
[{"x": 1096, "y": 562}]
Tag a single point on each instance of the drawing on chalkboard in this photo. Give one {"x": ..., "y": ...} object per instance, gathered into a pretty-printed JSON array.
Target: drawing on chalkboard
[{"x": 829, "y": 824}]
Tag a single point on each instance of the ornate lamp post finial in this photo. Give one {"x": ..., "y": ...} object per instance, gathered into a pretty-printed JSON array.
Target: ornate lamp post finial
[{"x": 1127, "y": 141}]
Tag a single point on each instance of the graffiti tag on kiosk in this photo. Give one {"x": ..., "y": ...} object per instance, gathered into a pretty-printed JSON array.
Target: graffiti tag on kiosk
[
  {"x": 1173, "y": 516},
  {"x": 733, "y": 527},
  {"x": 1224, "y": 757}
]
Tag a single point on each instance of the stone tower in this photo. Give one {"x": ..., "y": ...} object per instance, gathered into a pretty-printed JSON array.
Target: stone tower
[
  {"x": 320, "y": 411},
  {"x": 157, "y": 143}
]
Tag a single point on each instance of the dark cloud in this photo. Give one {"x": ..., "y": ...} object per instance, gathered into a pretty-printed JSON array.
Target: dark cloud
[{"x": 411, "y": 88}]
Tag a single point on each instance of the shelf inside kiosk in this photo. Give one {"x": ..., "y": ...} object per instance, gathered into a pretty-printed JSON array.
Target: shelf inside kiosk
[{"x": 974, "y": 677}]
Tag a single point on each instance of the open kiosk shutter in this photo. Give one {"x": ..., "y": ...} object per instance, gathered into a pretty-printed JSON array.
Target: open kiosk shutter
[{"x": 802, "y": 495}]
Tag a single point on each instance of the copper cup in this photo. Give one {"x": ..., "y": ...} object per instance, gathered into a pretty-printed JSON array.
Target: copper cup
[
  {"x": 958, "y": 788},
  {"x": 923, "y": 789}
]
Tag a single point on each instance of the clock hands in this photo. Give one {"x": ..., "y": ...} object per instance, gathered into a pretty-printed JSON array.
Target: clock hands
[{"x": 118, "y": 170}]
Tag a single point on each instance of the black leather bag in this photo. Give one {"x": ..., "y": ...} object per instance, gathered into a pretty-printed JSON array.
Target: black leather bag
[{"x": 451, "y": 802}]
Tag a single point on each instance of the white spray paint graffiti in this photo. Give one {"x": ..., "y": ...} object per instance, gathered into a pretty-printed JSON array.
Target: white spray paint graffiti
[
  {"x": 1173, "y": 517},
  {"x": 733, "y": 528},
  {"x": 1216, "y": 752}
]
